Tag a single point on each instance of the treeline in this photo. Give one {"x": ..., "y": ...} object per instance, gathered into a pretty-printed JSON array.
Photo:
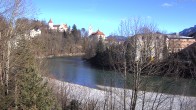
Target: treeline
[
  {"x": 59, "y": 43},
  {"x": 49, "y": 42}
]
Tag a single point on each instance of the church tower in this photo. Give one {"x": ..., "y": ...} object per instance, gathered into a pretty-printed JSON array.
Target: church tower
[
  {"x": 90, "y": 30},
  {"x": 50, "y": 24}
]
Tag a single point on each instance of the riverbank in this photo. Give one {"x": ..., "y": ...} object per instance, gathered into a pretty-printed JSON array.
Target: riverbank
[
  {"x": 62, "y": 55},
  {"x": 114, "y": 97}
]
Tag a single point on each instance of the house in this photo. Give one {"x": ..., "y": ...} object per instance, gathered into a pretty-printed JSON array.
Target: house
[
  {"x": 176, "y": 43},
  {"x": 96, "y": 36},
  {"x": 155, "y": 45},
  {"x": 148, "y": 46},
  {"x": 35, "y": 32},
  {"x": 59, "y": 28}
]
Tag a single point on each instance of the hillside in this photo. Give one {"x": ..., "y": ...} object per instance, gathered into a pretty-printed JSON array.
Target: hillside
[{"x": 189, "y": 32}]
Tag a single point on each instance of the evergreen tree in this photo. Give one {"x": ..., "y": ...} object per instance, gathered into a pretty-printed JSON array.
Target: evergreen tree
[
  {"x": 69, "y": 29},
  {"x": 100, "y": 46},
  {"x": 74, "y": 28},
  {"x": 76, "y": 33},
  {"x": 31, "y": 92},
  {"x": 83, "y": 32}
]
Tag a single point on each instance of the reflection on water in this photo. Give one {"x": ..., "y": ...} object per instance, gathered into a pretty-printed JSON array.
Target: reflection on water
[{"x": 75, "y": 70}]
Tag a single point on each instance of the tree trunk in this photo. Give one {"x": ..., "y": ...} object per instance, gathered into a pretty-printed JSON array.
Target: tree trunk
[
  {"x": 7, "y": 66},
  {"x": 15, "y": 92},
  {"x": 135, "y": 86},
  {"x": 125, "y": 83}
]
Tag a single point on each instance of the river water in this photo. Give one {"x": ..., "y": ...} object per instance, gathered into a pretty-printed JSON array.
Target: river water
[{"x": 77, "y": 71}]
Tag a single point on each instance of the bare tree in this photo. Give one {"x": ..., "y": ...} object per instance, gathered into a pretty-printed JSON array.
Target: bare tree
[
  {"x": 10, "y": 10},
  {"x": 137, "y": 55}
]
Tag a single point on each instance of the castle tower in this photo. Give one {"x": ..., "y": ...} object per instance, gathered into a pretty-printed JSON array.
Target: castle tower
[
  {"x": 90, "y": 30},
  {"x": 50, "y": 24}
]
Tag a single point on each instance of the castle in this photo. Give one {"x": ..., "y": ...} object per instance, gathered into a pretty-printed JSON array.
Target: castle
[
  {"x": 59, "y": 28},
  {"x": 63, "y": 27}
]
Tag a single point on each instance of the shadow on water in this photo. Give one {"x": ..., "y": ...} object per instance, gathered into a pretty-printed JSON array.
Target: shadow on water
[{"x": 78, "y": 71}]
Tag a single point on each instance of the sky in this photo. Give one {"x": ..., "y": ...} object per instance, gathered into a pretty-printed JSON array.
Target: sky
[{"x": 168, "y": 15}]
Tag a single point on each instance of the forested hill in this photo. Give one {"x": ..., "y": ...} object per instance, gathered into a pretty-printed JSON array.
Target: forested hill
[{"x": 189, "y": 32}]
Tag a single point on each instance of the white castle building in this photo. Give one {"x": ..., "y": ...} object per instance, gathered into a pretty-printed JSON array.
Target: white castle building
[
  {"x": 90, "y": 30},
  {"x": 60, "y": 28}
]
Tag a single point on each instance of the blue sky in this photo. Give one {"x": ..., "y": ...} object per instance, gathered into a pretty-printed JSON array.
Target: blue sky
[{"x": 105, "y": 15}]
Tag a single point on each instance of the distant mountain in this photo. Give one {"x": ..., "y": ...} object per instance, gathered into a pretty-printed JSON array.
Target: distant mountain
[
  {"x": 189, "y": 32},
  {"x": 117, "y": 38}
]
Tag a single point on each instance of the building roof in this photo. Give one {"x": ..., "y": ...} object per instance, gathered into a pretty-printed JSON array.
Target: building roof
[
  {"x": 98, "y": 33},
  {"x": 178, "y": 37},
  {"x": 50, "y": 21},
  {"x": 181, "y": 37}
]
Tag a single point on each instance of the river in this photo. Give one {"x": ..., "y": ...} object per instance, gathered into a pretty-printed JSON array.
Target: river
[{"x": 77, "y": 71}]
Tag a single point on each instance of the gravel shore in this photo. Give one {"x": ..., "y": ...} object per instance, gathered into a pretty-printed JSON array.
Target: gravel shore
[{"x": 108, "y": 96}]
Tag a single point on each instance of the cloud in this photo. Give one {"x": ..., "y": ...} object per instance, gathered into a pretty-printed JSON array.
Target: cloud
[{"x": 166, "y": 5}]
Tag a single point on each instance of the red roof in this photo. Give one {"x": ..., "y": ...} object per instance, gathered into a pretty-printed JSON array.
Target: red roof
[
  {"x": 50, "y": 21},
  {"x": 98, "y": 33}
]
